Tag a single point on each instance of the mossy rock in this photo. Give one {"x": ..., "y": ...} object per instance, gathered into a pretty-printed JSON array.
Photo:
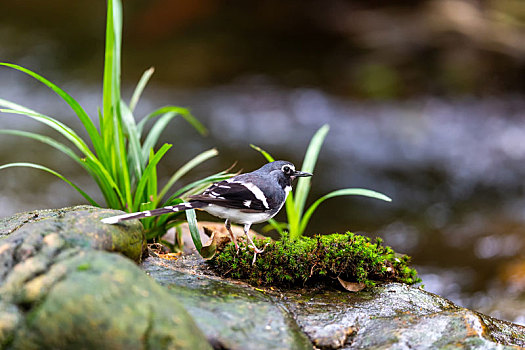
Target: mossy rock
[
  {"x": 77, "y": 226},
  {"x": 94, "y": 300},
  {"x": 325, "y": 258},
  {"x": 63, "y": 286}
]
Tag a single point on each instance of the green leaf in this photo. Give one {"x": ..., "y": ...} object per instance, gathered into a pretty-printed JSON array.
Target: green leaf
[
  {"x": 293, "y": 217},
  {"x": 186, "y": 168},
  {"x": 167, "y": 114},
  {"x": 104, "y": 186},
  {"x": 91, "y": 161},
  {"x": 140, "y": 88},
  {"x": 183, "y": 112},
  {"x": 155, "y": 132},
  {"x": 109, "y": 188},
  {"x": 266, "y": 155},
  {"x": 342, "y": 192},
  {"x": 278, "y": 226},
  {"x": 135, "y": 157},
  {"x": 62, "y": 128},
  {"x": 41, "y": 167},
  {"x": 191, "y": 217},
  {"x": 122, "y": 169},
  {"x": 47, "y": 140},
  {"x": 111, "y": 80},
  {"x": 200, "y": 183},
  {"x": 152, "y": 181},
  {"x": 310, "y": 159},
  {"x": 140, "y": 196},
  {"x": 75, "y": 106}
]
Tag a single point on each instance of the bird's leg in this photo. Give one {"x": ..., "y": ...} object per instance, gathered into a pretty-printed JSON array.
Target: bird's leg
[
  {"x": 246, "y": 229},
  {"x": 229, "y": 228},
  {"x": 255, "y": 249}
]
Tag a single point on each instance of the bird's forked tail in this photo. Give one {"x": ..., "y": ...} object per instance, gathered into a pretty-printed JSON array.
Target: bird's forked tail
[{"x": 154, "y": 212}]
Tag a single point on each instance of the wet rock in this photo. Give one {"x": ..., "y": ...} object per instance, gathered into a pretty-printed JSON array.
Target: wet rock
[
  {"x": 78, "y": 226},
  {"x": 60, "y": 290},
  {"x": 396, "y": 316},
  {"x": 233, "y": 316},
  {"x": 98, "y": 300},
  {"x": 390, "y": 316},
  {"x": 62, "y": 286}
]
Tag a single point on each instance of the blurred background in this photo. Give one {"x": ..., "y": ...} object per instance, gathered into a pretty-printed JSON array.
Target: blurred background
[{"x": 425, "y": 100}]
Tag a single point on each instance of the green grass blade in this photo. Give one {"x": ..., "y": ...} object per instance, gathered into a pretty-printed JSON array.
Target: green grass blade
[
  {"x": 166, "y": 113},
  {"x": 75, "y": 106},
  {"x": 123, "y": 170},
  {"x": 63, "y": 129},
  {"x": 15, "y": 106},
  {"x": 191, "y": 217},
  {"x": 152, "y": 182},
  {"x": 136, "y": 161},
  {"x": 155, "y": 132},
  {"x": 47, "y": 140},
  {"x": 278, "y": 226},
  {"x": 140, "y": 88},
  {"x": 107, "y": 184},
  {"x": 185, "y": 191},
  {"x": 266, "y": 155},
  {"x": 292, "y": 216},
  {"x": 342, "y": 192},
  {"x": 68, "y": 151},
  {"x": 111, "y": 113},
  {"x": 111, "y": 79},
  {"x": 140, "y": 195},
  {"x": 41, "y": 167},
  {"x": 183, "y": 112},
  {"x": 185, "y": 169},
  {"x": 310, "y": 159}
]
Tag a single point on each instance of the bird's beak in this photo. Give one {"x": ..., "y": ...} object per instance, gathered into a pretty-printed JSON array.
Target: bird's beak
[{"x": 301, "y": 174}]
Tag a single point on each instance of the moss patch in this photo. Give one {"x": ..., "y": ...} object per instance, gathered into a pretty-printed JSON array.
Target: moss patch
[{"x": 348, "y": 256}]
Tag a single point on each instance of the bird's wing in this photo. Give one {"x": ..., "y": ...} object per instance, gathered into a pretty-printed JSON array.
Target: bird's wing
[{"x": 234, "y": 194}]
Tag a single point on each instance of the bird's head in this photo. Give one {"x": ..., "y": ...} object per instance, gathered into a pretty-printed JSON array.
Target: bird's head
[{"x": 282, "y": 168}]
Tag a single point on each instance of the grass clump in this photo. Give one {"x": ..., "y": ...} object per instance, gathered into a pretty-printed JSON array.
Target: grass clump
[
  {"x": 297, "y": 216},
  {"x": 322, "y": 258},
  {"x": 121, "y": 154}
]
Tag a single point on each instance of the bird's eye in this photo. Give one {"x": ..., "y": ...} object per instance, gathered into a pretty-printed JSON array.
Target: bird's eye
[{"x": 286, "y": 169}]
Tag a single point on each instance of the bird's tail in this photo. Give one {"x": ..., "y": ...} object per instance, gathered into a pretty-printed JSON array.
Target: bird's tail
[{"x": 154, "y": 212}]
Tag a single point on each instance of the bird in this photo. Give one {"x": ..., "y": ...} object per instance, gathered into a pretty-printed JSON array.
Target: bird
[{"x": 246, "y": 199}]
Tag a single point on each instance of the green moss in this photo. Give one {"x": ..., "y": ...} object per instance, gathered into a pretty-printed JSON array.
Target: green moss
[{"x": 349, "y": 256}]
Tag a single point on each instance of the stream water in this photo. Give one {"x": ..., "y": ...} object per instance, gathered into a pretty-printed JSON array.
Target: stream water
[{"x": 454, "y": 169}]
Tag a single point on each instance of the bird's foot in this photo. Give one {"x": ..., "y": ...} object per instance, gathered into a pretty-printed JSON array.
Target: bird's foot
[{"x": 257, "y": 251}]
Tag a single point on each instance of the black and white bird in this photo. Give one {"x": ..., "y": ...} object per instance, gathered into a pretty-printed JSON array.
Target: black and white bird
[{"x": 246, "y": 199}]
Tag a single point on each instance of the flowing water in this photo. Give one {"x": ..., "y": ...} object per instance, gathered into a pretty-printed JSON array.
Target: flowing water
[{"x": 454, "y": 169}]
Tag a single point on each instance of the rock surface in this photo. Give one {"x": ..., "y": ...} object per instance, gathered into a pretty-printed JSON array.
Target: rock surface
[
  {"x": 396, "y": 316},
  {"x": 391, "y": 316},
  {"x": 79, "y": 226},
  {"x": 60, "y": 289},
  {"x": 65, "y": 283},
  {"x": 233, "y": 316}
]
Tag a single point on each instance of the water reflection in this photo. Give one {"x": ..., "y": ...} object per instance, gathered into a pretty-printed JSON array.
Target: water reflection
[{"x": 496, "y": 246}]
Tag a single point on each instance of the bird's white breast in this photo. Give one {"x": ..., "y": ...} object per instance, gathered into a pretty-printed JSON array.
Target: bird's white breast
[{"x": 236, "y": 215}]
